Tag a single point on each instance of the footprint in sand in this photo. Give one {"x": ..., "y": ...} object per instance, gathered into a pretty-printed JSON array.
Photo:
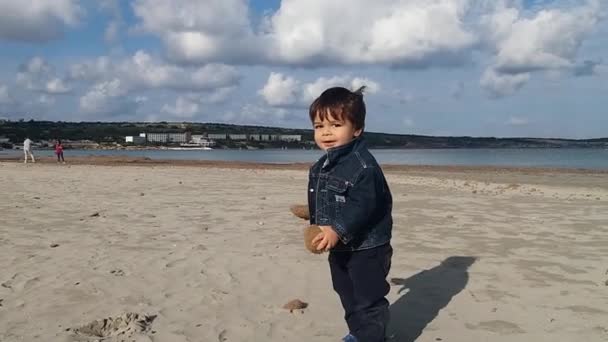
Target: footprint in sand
[{"x": 123, "y": 327}]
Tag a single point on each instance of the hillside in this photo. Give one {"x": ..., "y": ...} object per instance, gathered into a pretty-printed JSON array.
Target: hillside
[{"x": 109, "y": 132}]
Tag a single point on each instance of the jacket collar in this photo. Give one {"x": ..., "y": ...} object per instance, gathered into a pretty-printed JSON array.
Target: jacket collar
[{"x": 335, "y": 154}]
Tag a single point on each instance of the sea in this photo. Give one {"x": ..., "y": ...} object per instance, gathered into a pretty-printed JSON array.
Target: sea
[{"x": 593, "y": 159}]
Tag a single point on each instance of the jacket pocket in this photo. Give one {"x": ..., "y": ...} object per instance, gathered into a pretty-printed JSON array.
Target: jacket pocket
[{"x": 336, "y": 191}]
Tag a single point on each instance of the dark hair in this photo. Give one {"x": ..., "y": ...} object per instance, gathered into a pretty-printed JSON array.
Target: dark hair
[{"x": 341, "y": 104}]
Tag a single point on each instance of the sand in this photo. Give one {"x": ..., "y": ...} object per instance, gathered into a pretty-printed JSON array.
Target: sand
[{"x": 113, "y": 251}]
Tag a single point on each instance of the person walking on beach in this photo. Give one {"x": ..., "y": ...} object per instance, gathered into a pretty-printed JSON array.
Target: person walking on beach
[
  {"x": 349, "y": 199},
  {"x": 27, "y": 150},
  {"x": 59, "y": 151}
]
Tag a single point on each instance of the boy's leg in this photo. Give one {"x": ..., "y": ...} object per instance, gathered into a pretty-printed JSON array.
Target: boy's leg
[
  {"x": 368, "y": 270},
  {"x": 338, "y": 265},
  {"x": 32, "y": 155},
  {"x": 25, "y": 155}
]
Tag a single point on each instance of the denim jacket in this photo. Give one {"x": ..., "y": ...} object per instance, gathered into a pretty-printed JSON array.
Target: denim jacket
[{"x": 347, "y": 190}]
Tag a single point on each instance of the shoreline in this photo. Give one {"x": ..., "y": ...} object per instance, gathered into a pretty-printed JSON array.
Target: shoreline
[{"x": 145, "y": 161}]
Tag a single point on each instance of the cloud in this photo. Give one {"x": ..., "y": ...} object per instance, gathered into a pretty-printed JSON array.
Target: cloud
[
  {"x": 588, "y": 68},
  {"x": 5, "y": 97},
  {"x": 548, "y": 40},
  {"x": 200, "y": 32},
  {"x": 209, "y": 84},
  {"x": 46, "y": 100},
  {"x": 253, "y": 114},
  {"x": 306, "y": 32},
  {"x": 143, "y": 71},
  {"x": 37, "y": 20},
  {"x": 107, "y": 97},
  {"x": 312, "y": 90},
  {"x": 38, "y": 75},
  {"x": 219, "y": 95},
  {"x": 500, "y": 85},
  {"x": 183, "y": 108},
  {"x": 116, "y": 23},
  {"x": 280, "y": 90},
  {"x": 285, "y": 91}
]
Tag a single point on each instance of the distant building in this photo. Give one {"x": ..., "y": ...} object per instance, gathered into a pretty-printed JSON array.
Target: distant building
[
  {"x": 292, "y": 137},
  {"x": 168, "y": 137},
  {"x": 201, "y": 140},
  {"x": 157, "y": 137},
  {"x": 137, "y": 140},
  {"x": 178, "y": 137},
  {"x": 237, "y": 136},
  {"x": 216, "y": 136}
]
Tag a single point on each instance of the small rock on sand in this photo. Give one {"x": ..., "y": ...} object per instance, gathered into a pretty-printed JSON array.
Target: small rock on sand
[{"x": 295, "y": 304}]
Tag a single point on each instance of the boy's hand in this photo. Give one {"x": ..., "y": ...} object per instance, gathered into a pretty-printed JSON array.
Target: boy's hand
[{"x": 327, "y": 240}]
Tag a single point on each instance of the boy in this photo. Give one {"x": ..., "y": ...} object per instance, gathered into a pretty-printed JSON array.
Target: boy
[{"x": 350, "y": 201}]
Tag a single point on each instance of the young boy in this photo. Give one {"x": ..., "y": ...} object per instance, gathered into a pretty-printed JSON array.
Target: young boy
[{"x": 349, "y": 199}]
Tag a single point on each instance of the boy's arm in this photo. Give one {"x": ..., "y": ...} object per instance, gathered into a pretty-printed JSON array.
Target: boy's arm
[{"x": 361, "y": 203}]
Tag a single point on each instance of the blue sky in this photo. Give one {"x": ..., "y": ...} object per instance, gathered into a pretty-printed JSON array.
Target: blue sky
[{"x": 503, "y": 68}]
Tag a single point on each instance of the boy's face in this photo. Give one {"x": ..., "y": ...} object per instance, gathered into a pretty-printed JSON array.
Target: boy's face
[{"x": 333, "y": 132}]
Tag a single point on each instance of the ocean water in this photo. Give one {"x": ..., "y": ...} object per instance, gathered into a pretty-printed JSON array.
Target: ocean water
[{"x": 596, "y": 159}]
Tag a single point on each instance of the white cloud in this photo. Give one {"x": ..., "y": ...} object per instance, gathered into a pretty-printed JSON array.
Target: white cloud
[
  {"x": 143, "y": 71},
  {"x": 198, "y": 32},
  {"x": 219, "y": 95},
  {"x": 5, "y": 97},
  {"x": 108, "y": 97},
  {"x": 306, "y": 32},
  {"x": 312, "y": 90},
  {"x": 183, "y": 108},
  {"x": 284, "y": 91},
  {"x": 115, "y": 24},
  {"x": 548, "y": 40},
  {"x": 251, "y": 114},
  {"x": 46, "y": 100},
  {"x": 280, "y": 90},
  {"x": 56, "y": 86},
  {"x": 38, "y": 75},
  {"x": 500, "y": 85},
  {"x": 37, "y": 20}
]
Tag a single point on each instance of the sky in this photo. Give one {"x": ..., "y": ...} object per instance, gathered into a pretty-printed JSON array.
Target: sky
[{"x": 503, "y": 68}]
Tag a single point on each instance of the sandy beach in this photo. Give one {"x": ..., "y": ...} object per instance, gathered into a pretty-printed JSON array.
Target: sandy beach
[{"x": 210, "y": 252}]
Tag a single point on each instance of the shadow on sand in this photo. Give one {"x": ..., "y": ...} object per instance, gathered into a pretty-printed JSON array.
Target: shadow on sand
[{"x": 429, "y": 292}]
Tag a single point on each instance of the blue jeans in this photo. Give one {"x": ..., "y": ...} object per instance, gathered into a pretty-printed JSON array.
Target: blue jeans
[{"x": 359, "y": 278}]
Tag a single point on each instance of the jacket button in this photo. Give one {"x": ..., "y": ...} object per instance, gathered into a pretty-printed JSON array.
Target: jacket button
[{"x": 312, "y": 190}]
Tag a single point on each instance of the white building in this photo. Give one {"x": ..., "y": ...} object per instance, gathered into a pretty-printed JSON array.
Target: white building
[
  {"x": 135, "y": 140},
  {"x": 156, "y": 137},
  {"x": 216, "y": 136},
  {"x": 199, "y": 139},
  {"x": 168, "y": 137},
  {"x": 178, "y": 137},
  {"x": 237, "y": 136},
  {"x": 292, "y": 137}
]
